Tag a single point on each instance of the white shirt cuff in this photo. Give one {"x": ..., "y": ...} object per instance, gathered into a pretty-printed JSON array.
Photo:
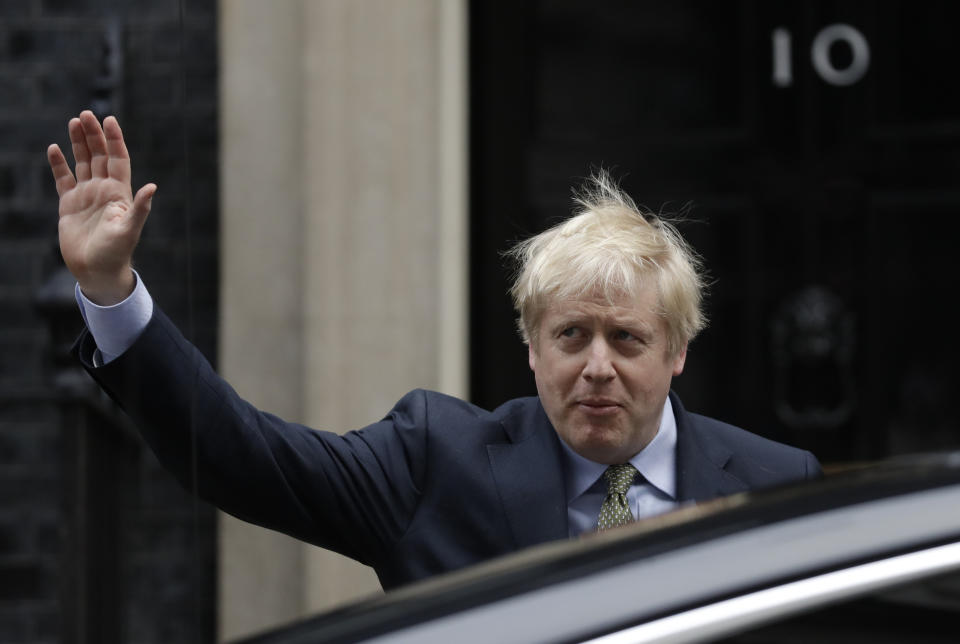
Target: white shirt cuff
[{"x": 115, "y": 328}]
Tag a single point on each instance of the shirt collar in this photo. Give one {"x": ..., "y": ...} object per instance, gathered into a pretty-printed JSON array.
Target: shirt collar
[{"x": 656, "y": 462}]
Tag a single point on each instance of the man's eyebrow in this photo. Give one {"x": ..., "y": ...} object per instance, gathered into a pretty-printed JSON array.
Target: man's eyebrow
[
  {"x": 565, "y": 321},
  {"x": 630, "y": 318},
  {"x": 633, "y": 323}
]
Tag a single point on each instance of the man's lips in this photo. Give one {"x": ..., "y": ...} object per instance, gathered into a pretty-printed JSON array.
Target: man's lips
[{"x": 598, "y": 406}]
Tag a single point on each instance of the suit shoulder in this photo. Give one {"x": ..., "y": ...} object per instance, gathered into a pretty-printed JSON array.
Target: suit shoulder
[
  {"x": 734, "y": 436},
  {"x": 439, "y": 403},
  {"x": 746, "y": 447},
  {"x": 435, "y": 406}
]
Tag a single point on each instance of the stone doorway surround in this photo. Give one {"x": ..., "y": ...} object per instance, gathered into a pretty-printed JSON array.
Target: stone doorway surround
[{"x": 344, "y": 251}]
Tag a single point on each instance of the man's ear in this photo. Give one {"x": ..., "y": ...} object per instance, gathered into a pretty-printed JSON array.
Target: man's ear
[
  {"x": 532, "y": 357},
  {"x": 679, "y": 360}
]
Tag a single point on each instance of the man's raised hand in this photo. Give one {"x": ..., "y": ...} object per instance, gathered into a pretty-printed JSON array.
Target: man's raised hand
[{"x": 100, "y": 218}]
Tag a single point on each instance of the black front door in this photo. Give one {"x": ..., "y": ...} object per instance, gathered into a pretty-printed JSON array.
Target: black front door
[{"x": 813, "y": 149}]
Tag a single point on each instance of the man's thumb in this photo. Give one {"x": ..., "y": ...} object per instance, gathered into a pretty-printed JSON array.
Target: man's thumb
[{"x": 143, "y": 201}]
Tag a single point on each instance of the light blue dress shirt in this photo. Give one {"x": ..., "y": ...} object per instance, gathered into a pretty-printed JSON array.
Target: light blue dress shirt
[
  {"x": 654, "y": 494},
  {"x": 115, "y": 328}
]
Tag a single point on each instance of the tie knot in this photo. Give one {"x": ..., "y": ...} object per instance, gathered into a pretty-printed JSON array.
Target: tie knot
[{"x": 619, "y": 478}]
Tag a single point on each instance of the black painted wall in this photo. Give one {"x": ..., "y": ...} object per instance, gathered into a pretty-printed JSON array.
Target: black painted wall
[
  {"x": 153, "y": 64},
  {"x": 826, "y": 212}
]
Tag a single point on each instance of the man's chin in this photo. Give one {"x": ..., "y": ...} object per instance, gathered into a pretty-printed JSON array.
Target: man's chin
[{"x": 603, "y": 448}]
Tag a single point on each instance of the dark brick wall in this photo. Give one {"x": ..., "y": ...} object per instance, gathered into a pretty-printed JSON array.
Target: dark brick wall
[{"x": 153, "y": 64}]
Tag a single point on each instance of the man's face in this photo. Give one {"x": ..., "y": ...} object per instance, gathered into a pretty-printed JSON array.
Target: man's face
[{"x": 603, "y": 373}]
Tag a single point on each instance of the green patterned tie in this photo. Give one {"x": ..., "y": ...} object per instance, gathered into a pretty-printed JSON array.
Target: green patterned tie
[{"x": 615, "y": 510}]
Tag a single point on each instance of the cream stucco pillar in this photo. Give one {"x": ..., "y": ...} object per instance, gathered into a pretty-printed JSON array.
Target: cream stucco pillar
[{"x": 343, "y": 170}]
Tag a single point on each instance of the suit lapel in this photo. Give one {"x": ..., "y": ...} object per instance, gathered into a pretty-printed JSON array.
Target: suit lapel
[
  {"x": 528, "y": 472},
  {"x": 701, "y": 460}
]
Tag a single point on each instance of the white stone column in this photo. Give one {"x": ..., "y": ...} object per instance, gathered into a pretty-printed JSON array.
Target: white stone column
[
  {"x": 374, "y": 96},
  {"x": 343, "y": 156},
  {"x": 261, "y": 577}
]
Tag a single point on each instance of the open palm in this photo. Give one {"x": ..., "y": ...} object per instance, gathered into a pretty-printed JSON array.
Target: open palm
[{"x": 100, "y": 218}]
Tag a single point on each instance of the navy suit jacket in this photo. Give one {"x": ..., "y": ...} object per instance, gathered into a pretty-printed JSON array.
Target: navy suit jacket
[{"x": 436, "y": 485}]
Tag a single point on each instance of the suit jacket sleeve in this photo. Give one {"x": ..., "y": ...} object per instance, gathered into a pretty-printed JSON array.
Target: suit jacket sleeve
[{"x": 354, "y": 494}]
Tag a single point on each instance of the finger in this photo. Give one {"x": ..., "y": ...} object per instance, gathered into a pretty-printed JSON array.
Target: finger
[
  {"x": 61, "y": 169},
  {"x": 96, "y": 143},
  {"x": 81, "y": 155},
  {"x": 118, "y": 159},
  {"x": 143, "y": 201}
]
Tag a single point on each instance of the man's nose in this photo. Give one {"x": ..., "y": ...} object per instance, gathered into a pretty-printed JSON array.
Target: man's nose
[{"x": 599, "y": 367}]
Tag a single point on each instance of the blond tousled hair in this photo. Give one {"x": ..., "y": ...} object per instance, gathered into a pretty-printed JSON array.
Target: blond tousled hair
[{"x": 609, "y": 246}]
